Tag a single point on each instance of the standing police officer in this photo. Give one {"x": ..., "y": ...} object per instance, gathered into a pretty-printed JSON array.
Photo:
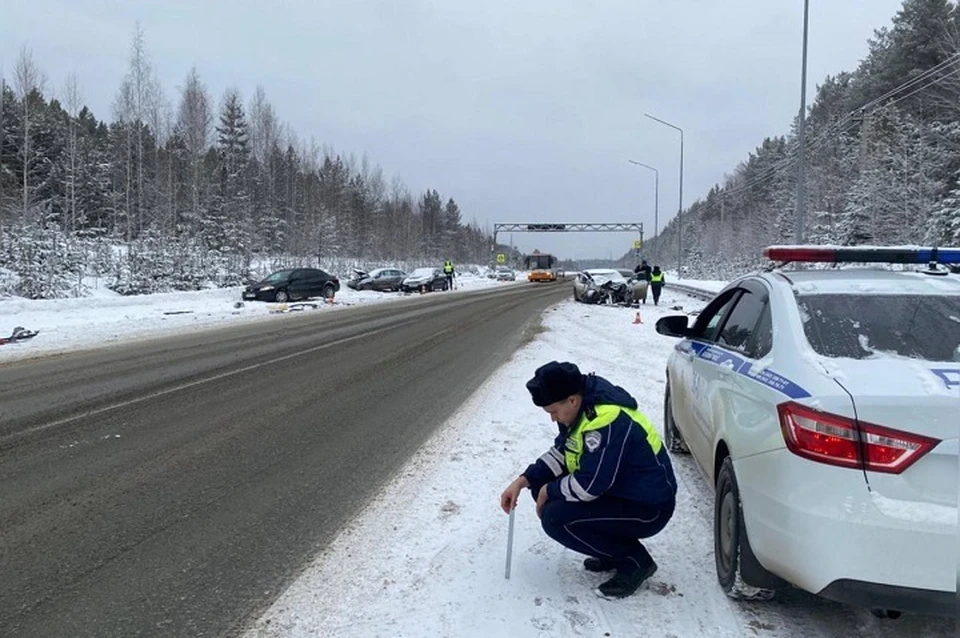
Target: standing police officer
[
  {"x": 656, "y": 284},
  {"x": 448, "y": 271},
  {"x": 606, "y": 482}
]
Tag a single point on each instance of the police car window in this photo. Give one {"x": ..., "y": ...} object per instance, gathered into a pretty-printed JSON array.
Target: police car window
[
  {"x": 762, "y": 340},
  {"x": 708, "y": 325},
  {"x": 863, "y": 326},
  {"x": 738, "y": 329}
]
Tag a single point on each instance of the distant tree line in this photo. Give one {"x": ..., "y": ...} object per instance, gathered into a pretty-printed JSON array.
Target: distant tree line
[
  {"x": 191, "y": 194},
  {"x": 882, "y": 157}
]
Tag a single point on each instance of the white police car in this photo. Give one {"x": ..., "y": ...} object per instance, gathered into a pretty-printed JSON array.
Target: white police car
[{"x": 824, "y": 406}]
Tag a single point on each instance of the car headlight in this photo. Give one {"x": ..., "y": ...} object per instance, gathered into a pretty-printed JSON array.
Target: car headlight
[{"x": 264, "y": 289}]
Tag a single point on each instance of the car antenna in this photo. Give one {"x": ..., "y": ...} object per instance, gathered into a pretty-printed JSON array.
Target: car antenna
[{"x": 933, "y": 268}]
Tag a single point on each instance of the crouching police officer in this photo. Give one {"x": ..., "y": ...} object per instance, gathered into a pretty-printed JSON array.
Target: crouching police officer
[{"x": 606, "y": 482}]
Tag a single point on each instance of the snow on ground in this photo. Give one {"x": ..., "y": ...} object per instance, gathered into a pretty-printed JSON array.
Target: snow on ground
[
  {"x": 106, "y": 317},
  {"x": 427, "y": 556}
]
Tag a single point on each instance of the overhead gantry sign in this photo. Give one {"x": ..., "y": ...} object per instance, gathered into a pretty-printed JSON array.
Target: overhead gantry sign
[{"x": 591, "y": 227}]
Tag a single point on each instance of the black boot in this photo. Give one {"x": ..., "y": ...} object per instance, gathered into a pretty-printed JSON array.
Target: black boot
[
  {"x": 624, "y": 583},
  {"x": 598, "y": 564}
]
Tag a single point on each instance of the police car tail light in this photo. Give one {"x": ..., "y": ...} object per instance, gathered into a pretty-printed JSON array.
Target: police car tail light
[{"x": 836, "y": 440}]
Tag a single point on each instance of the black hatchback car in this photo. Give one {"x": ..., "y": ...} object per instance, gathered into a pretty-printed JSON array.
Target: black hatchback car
[{"x": 289, "y": 285}]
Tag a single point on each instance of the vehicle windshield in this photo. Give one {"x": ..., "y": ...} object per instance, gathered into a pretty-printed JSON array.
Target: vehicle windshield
[
  {"x": 540, "y": 262},
  {"x": 280, "y": 275},
  {"x": 863, "y": 326},
  {"x": 503, "y": 269},
  {"x": 422, "y": 272},
  {"x": 375, "y": 272},
  {"x": 601, "y": 277}
]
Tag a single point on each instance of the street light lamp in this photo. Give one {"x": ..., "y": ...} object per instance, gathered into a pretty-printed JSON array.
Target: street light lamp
[
  {"x": 801, "y": 184},
  {"x": 656, "y": 206},
  {"x": 680, "y": 208}
]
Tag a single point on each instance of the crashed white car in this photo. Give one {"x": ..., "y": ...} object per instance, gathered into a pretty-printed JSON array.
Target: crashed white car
[
  {"x": 824, "y": 406},
  {"x": 605, "y": 285}
]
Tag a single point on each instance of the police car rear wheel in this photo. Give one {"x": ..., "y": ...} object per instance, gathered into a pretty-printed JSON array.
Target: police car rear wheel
[
  {"x": 671, "y": 437},
  {"x": 730, "y": 537}
]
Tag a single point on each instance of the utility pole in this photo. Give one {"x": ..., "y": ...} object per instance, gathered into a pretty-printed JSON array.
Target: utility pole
[
  {"x": 801, "y": 168},
  {"x": 723, "y": 200},
  {"x": 865, "y": 167}
]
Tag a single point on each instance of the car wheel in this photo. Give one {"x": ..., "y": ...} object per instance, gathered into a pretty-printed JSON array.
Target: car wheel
[
  {"x": 730, "y": 540},
  {"x": 281, "y": 296},
  {"x": 671, "y": 436}
]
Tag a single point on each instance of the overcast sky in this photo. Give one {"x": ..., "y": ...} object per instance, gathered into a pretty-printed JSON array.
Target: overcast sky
[{"x": 521, "y": 111}]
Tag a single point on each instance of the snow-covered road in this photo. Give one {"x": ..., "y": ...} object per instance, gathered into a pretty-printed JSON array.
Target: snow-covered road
[{"x": 426, "y": 558}]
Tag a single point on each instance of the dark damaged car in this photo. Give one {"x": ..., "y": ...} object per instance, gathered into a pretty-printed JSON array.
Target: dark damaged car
[{"x": 292, "y": 285}]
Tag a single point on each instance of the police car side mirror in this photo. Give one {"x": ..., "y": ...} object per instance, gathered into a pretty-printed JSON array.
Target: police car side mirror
[{"x": 673, "y": 326}]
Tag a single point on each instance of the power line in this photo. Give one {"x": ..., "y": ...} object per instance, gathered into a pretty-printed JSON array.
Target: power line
[
  {"x": 849, "y": 120},
  {"x": 925, "y": 86},
  {"x": 953, "y": 59}
]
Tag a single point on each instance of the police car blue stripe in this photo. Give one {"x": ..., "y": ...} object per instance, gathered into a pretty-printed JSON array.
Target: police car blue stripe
[
  {"x": 949, "y": 376},
  {"x": 744, "y": 367}
]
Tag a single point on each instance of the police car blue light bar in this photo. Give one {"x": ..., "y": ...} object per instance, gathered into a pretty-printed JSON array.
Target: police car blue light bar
[{"x": 863, "y": 254}]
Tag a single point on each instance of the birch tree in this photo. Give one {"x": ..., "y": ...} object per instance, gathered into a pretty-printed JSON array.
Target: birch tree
[{"x": 28, "y": 83}]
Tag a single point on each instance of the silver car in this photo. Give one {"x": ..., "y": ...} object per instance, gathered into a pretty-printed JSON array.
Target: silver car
[{"x": 605, "y": 285}]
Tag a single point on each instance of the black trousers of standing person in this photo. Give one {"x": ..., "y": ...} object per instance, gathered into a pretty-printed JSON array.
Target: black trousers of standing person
[
  {"x": 656, "y": 288},
  {"x": 607, "y": 528}
]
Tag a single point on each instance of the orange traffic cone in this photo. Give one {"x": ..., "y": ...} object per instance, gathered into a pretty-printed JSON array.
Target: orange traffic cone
[{"x": 637, "y": 319}]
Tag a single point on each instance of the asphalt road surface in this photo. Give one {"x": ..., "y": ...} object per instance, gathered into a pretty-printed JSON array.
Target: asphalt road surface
[{"x": 174, "y": 486}]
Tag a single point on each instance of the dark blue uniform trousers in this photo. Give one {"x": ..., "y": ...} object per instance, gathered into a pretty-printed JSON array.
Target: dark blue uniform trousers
[{"x": 607, "y": 528}]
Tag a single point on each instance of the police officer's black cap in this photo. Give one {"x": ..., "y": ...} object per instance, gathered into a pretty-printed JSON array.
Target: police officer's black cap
[{"x": 554, "y": 382}]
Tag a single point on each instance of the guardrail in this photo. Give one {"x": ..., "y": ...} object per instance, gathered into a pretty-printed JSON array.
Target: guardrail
[{"x": 696, "y": 293}]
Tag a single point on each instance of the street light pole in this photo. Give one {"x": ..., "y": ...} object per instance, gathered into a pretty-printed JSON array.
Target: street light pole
[
  {"x": 680, "y": 207},
  {"x": 801, "y": 186},
  {"x": 656, "y": 206}
]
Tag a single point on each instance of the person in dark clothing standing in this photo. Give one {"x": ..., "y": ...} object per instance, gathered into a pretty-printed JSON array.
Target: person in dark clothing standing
[
  {"x": 606, "y": 482},
  {"x": 656, "y": 284},
  {"x": 643, "y": 270}
]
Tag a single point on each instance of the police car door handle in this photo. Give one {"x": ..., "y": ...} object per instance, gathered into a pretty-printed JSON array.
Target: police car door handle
[{"x": 726, "y": 369}]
